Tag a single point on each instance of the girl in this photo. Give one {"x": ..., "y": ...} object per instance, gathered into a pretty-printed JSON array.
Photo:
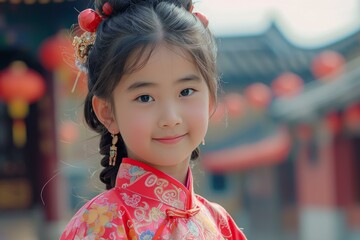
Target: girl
[{"x": 152, "y": 88}]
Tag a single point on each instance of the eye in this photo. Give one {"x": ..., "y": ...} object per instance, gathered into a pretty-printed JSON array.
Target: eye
[
  {"x": 145, "y": 98},
  {"x": 186, "y": 92}
]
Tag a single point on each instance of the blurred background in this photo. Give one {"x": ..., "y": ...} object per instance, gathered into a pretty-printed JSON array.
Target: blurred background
[{"x": 282, "y": 153}]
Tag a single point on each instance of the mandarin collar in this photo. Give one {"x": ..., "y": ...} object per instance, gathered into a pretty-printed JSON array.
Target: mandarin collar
[{"x": 149, "y": 182}]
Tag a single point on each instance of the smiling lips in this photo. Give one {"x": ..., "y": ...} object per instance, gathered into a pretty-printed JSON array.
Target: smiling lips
[{"x": 170, "y": 140}]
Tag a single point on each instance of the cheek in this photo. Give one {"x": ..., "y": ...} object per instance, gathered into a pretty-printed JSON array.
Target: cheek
[
  {"x": 198, "y": 113},
  {"x": 134, "y": 126},
  {"x": 132, "y": 122}
]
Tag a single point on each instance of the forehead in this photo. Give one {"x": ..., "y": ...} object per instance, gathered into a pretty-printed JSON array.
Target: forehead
[{"x": 163, "y": 53}]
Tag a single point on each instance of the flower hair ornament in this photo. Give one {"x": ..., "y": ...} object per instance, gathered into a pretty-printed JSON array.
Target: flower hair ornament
[{"x": 89, "y": 21}]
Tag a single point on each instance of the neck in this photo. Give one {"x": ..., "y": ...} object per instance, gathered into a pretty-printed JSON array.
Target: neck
[{"x": 178, "y": 172}]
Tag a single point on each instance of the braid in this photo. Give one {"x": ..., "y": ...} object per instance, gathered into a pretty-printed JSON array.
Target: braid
[{"x": 108, "y": 174}]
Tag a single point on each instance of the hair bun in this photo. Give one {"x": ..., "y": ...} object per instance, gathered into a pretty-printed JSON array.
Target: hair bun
[{"x": 121, "y": 6}]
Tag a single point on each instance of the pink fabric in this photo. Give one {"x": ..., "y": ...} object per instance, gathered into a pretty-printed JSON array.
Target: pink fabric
[{"x": 148, "y": 204}]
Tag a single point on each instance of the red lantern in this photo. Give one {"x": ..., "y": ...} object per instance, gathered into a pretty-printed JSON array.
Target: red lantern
[
  {"x": 328, "y": 63},
  {"x": 352, "y": 117},
  {"x": 55, "y": 51},
  {"x": 20, "y": 86},
  {"x": 258, "y": 95},
  {"x": 234, "y": 104},
  {"x": 20, "y": 82},
  {"x": 287, "y": 85}
]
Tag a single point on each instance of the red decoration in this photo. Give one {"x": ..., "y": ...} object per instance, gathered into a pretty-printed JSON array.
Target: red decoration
[
  {"x": 107, "y": 9},
  {"x": 20, "y": 86},
  {"x": 20, "y": 82},
  {"x": 352, "y": 117},
  {"x": 89, "y": 20},
  {"x": 258, "y": 95},
  {"x": 328, "y": 63},
  {"x": 55, "y": 50},
  {"x": 234, "y": 104},
  {"x": 202, "y": 18},
  {"x": 287, "y": 85}
]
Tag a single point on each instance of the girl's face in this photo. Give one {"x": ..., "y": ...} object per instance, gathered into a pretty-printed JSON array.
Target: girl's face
[{"x": 162, "y": 110}]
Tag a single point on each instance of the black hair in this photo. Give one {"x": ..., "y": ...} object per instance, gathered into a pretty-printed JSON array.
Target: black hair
[{"x": 134, "y": 27}]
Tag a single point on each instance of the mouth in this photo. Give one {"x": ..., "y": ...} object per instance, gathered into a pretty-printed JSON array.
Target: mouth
[{"x": 170, "y": 139}]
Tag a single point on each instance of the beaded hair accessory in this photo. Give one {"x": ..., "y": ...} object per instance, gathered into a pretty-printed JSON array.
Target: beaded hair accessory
[{"x": 89, "y": 21}]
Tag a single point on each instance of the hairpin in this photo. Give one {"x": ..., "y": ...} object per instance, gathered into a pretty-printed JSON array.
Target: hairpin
[{"x": 89, "y": 21}]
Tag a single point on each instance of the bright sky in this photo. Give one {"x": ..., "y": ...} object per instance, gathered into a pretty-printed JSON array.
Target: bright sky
[{"x": 306, "y": 23}]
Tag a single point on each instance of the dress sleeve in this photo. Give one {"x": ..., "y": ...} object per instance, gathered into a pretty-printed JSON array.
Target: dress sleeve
[
  {"x": 236, "y": 232},
  {"x": 225, "y": 222},
  {"x": 97, "y": 220}
]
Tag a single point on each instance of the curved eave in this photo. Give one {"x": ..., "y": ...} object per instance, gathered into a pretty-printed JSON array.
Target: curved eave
[
  {"x": 271, "y": 150},
  {"x": 320, "y": 97}
]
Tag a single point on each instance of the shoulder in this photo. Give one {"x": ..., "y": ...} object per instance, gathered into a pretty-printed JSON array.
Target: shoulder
[
  {"x": 214, "y": 208},
  {"x": 225, "y": 222},
  {"x": 97, "y": 219}
]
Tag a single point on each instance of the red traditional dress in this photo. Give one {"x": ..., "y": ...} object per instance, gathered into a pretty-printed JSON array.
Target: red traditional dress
[{"x": 148, "y": 204}]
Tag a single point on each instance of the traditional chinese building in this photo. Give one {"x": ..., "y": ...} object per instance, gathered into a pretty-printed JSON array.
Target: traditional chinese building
[{"x": 295, "y": 163}]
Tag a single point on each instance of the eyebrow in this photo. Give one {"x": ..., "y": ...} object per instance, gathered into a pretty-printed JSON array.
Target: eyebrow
[{"x": 144, "y": 84}]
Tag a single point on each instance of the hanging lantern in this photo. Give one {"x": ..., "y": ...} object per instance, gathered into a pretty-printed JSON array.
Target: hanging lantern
[
  {"x": 56, "y": 51},
  {"x": 328, "y": 63},
  {"x": 20, "y": 86},
  {"x": 234, "y": 104},
  {"x": 258, "y": 95},
  {"x": 287, "y": 85}
]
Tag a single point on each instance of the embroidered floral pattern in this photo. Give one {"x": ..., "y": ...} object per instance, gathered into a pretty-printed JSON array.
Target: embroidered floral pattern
[
  {"x": 147, "y": 235},
  {"x": 137, "y": 208},
  {"x": 131, "y": 201},
  {"x": 156, "y": 214}
]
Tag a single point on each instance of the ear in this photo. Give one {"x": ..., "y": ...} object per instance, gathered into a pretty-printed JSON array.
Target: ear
[{"x": 104, "y": 113}]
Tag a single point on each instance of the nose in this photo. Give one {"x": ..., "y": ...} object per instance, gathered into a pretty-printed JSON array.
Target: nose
[{"x": 170, "y": 116}]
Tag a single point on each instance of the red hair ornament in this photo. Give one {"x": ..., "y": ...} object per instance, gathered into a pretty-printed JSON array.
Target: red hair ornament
[
  {"x": 202, "y": 18},
  {"x": 89, "y": 20},
  {"x": 107, "y": 9}
]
